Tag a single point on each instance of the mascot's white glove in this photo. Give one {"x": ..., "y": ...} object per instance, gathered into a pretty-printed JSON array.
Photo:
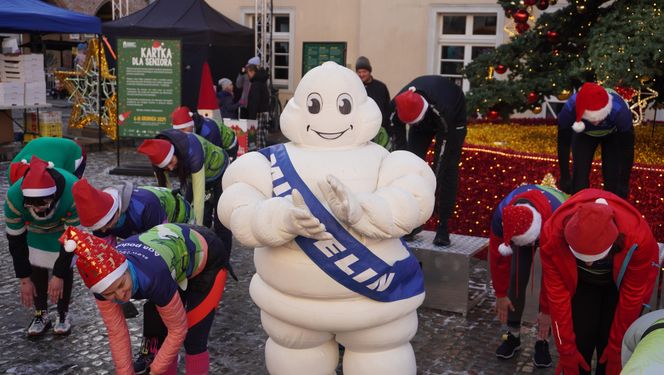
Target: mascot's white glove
[
  {"x": 300, "y": 221},
  {"x": 341, "y": 200}
]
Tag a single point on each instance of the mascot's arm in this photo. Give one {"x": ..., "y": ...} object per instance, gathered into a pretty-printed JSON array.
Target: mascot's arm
[
  {"x": 252, "y": 214},
  {"x": 403, "y": 200}
]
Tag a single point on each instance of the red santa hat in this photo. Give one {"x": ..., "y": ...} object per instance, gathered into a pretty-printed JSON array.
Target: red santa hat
[
  {"x": 37, "y": 181},
  {"x": 593, "y": 103},
  {"x": 411, "y": 106},
  {"x": 95, "y": 207},
  {"x": 181, "y": 118},
  {"x": 591, "y": 231},
  {"x": 98, "y": 262},
  {"x": 521, "y": 225},
  {"x": 160, "y": 151},
  {"x": 17, "y": 170},
  {"x": 207, "y": 99}
]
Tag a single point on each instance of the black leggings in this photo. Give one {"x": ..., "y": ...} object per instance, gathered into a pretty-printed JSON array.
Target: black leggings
[
  {"x": 447, "y": 165},
  {"x": 39, "y": 277},
  {"x": 522, "y": 261},
  {"x": 210, "y": 217},
  {"x": 593, "y": 307},
  {"x": 617, "y": 160},
  {"x": 198, "y": 289}
]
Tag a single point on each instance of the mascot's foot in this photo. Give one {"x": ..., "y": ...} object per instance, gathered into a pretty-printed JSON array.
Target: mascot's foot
[
  {"x": 319, "y": 360},
  {"x": 397, "y": 361}
]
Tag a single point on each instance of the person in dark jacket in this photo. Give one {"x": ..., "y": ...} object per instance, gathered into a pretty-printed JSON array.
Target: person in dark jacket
[
  {"x": 434, "y": 107},
  {"x": 377, "y": 91},
  {"x": 596, "y": 116},
  {"x": 258, "y": 104},
  {"x": 229, "y": 107}
]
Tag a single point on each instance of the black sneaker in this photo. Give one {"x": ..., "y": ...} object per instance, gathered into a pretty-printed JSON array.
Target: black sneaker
[
  {"x": 145, "y": 355},
  {"x": 411, "y": 236},
  {"x": 442, "y": 238},
  {"x": 542, "y": 357},
  {"x": 39, "y": 324},
  {"x": 129, "y": 310},
  {"x": 509, "y": 346}
]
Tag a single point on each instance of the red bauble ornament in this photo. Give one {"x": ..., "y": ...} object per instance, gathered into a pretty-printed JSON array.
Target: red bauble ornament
[
  {"x": 529, "y": 2},
  {"x": 521, "y": 16},
  {"x": 552, "y": 36},
  {"x": 492, "y": 115},
  {"x": 532, "y": 97},
  {"x": 522, "y": 27},
  {"x": 500, "y": 69},
  {"x": 156, "y": 44},
  {"x": 542, "y": 4}
]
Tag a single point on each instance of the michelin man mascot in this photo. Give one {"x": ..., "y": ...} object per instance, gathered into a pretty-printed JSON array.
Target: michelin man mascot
[{"x": 326, "y": 212}]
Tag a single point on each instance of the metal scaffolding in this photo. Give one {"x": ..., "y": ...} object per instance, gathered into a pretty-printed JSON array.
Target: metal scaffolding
[
  {"x": 263, "y": 32},
  {"x": 120, "y": 8}
]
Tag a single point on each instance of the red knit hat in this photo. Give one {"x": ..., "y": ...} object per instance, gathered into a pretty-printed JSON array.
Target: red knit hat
[
  {"x": 207, "y": 99},
  {"x": 411, "y": 106},
  {"x": 160, "y": 151},
  {"x": 95, "y": 207},
  {"x": 181, "y": 118},
  {"x": 37, "y": 181},
  {"x": 98, "y": 262},
  {"x": 521, "y": 224},
  {"x": 591, "y": 231},
  {"x": 17, "y": 170},
  {"x": 593, "y": 103}
]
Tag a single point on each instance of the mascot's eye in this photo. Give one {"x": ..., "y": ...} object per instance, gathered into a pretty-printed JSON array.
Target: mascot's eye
[
  {"x": 345, "y": 104},
  {"x": 314, "y": 103}
]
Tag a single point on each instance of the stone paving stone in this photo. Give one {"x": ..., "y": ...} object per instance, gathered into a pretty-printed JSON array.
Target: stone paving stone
[{"x": 446, "y": 343}]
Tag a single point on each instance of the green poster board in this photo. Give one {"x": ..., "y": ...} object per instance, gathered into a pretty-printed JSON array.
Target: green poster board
[
  {"x": 316, "y": 53},
  {"x": 148, "y": 85}
]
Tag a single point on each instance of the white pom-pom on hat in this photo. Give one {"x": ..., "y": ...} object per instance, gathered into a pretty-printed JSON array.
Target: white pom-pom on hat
[
  {"x": 70, "y": 246},
  {"x": 51, "y": 165},
  {"x": 579, "y": 126},
  {"x": 505, "y": 250}
]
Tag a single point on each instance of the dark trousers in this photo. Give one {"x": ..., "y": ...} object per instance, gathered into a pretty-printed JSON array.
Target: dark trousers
[
  {"x": 197, "y": 292},
  {"x": 617, "y": 161},
  {"x": 210, "y": 217},
  {"x": 593, "y": 307},
  {"x": 446, "y": 165},
  {"x": 39, "y": 277},
  {"x": 522, "y": 261}
]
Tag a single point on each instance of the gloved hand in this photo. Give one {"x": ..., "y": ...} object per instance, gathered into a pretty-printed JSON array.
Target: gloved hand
[
  {"x": 301, "y": 222},
  {"x": 341, "y": 200},
  {"x": 612, "y": 360},
  {"x": 569, "y": 364}
]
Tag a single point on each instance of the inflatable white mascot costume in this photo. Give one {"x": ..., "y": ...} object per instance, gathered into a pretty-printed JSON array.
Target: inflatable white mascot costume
[{"x": 326, "y": 212}]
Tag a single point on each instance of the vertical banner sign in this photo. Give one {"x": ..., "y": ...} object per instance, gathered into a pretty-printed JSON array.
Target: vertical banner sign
[{"x": 149, "y": 85}]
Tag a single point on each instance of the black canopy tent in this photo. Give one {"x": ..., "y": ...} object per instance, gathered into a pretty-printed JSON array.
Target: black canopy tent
[{"x": 206, "y": 35}]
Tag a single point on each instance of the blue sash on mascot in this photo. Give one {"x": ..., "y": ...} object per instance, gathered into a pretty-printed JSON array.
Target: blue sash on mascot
[{"x": 344, "y": 258}]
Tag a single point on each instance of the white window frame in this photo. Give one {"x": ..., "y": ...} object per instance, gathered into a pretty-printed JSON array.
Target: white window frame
[
  {"x": 246, "y": 13},
  {"x": 436, "y": 39}
]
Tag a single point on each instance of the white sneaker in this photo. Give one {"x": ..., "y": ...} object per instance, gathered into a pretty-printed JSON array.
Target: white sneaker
[
  {"x": 63, "y": 325},
  {"x": 39, "y": 324}
]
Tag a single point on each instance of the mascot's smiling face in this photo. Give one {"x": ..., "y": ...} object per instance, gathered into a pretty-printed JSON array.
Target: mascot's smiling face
[{"x": 330, "y": 109}]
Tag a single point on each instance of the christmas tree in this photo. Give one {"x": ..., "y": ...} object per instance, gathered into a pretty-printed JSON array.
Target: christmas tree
[{"x": 618, "y": 44}]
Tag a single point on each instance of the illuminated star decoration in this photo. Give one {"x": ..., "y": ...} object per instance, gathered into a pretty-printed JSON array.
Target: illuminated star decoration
[{"x": 82, "y": 87}]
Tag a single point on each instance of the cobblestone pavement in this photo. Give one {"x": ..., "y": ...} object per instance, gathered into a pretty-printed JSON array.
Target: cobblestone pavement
[{"x": 446, "y": 343}]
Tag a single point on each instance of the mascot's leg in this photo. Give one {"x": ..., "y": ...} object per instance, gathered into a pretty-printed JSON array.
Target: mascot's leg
[
  {"x": 292, "y": 350},
  {"x": 382, "y": 349}
]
